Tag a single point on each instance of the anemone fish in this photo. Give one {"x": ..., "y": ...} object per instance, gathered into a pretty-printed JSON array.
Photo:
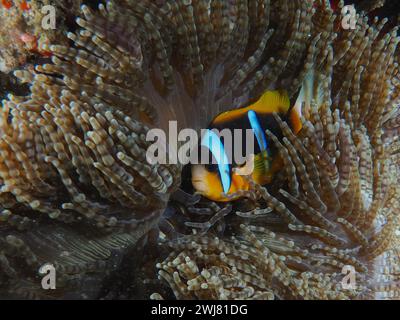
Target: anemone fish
[{"x": 222, "y": 181}]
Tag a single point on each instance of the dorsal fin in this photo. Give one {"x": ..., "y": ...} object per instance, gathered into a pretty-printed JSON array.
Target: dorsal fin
[{"x": 271, "y": 101}]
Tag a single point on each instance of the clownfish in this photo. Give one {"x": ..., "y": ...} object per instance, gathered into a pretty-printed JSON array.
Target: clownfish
[{"x": 222, "y": 181}]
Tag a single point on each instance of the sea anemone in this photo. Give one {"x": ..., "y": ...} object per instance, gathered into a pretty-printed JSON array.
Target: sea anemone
[{"x": 78, "y": 192}]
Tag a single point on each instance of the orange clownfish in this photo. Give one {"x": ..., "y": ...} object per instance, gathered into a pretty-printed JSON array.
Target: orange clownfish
[{"x": 221, "y": 181}]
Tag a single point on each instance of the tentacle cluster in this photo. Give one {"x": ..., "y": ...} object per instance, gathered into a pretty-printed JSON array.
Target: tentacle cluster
[{"x": 336, "y": 202}]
